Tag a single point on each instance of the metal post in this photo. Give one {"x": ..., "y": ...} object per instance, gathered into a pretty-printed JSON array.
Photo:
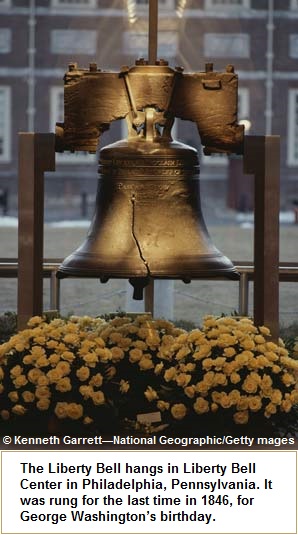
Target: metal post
[
  {"x": 36, "y": 155},
  {"x": 243, "y": 294},
  {"x": 262, "y": 158},
  {"x": 54, "y": 292},
  {"x": 149, "y": 297},
  {"x": 153, "y": 25}
]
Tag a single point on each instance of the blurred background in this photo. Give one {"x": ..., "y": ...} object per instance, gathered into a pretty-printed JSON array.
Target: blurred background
[{"x": 39, "y": 38}]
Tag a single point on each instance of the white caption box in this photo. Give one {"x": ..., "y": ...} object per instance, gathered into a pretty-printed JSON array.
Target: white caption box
[{"x": 149, "y": 492}]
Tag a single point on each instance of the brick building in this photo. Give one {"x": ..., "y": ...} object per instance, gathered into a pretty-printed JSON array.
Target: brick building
[{"x": 38, "y": 38}]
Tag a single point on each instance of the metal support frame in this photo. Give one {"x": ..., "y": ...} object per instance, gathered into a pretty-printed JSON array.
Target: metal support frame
[
  {"x": 262, "y": 159},
  {"x": 36, "y": 155}
]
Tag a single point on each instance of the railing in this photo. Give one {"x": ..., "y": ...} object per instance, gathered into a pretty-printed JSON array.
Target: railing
[{"x": 288, "y": 272}]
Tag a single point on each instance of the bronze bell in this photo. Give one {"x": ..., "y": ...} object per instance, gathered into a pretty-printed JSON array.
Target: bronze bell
[{"x": 148, "y": 220}]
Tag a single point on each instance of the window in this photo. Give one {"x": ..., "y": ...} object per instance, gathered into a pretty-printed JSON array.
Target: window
[
  {"x": 73, "y": 41},
  {"x": 293, "y": 45},
  {"x": 5, "y": 40},
  {"x": 243, "y": 118},
  {"x": 57, "y": 116},
  {"x": 209, "y": 4},
  {"x": 5, "y": 124},
  {"x": 135, "y": 43},
  {"x": 293, "y": 127},
  {"x": 293, "y": 4},
  {"x": 74, "y": 3},
  {"x": 226, "y": 45},
  {"x": 162, "y": 4}
]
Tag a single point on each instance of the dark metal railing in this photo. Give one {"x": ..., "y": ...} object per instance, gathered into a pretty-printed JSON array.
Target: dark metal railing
[{"x": 288, "y": 272}]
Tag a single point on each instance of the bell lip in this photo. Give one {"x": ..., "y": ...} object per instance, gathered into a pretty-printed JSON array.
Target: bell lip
[{"x": 64, "y": 271}]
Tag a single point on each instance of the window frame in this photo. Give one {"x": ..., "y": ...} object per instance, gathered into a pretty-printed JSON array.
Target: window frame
[
  {"x": 292, "y": 133},
  {"x": 216, "y": 54},
  {"x": 56, "y": 116},
  {"x": 72, "y": 4},
  {"x": 5, "y": 157},
  {"x": 210, "y": 5}
]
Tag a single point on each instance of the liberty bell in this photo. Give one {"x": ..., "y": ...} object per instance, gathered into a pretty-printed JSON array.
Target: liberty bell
[{"x": 148, "y": 221}]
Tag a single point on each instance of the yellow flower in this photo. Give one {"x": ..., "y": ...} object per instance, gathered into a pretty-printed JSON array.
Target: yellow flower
[
  {"x": 52, "y": 344},
  {"x": 234, "y": 396},
  {"x": 254, "y": 403},
  {"x": 259, "y": 339},
  {"x": 34, "y": 321},
  {"x": 162, "y": 405},
  {"x": 178, "y": 411},
  {"x": 241, "y": 417},
  {"x": 124, "y": 386},
  {"x": 288, "y": 379},
  {"x": 146, "y": 363},
  {"x": 115, "y": 337},
  {"x": 135, "y": 355},
  {"x": 54, "y": 375},
  {"x": 286, "y": 405},
  {"x": 37, "y": 352},
  {"x": 243, "y": 404},
  {"x": 91, "y": 359},
  {"x": 276, "y": 396},
  {"x": 250, "y": 385},
  {"x": 28, "y": 359},
  {"x": 229, "y": 352},
  {"x": 204, "y": 350},
  {"x": 86, "y": 391},
  {"x": 19, "y": 410},
  {"x": 270, "y": 409},
  {"x": 61, "y": 409},
  {"x": 42, "y": 392},
  {"x": 265, "y": 331},
  {"x": 63, "y": 385},
  {"x": 71, "y": 338},
  {"x": 83, "y": 373},
  {"x": 63, "y": 368},
  {"x": 266, "y": 382},
  {"x": 74, "y": 410},
  {"x": 183, "y": 352},
  {"x": 183, "y": 379},
  {"x": 43, "y": 404},
  {"x": 220, "y": 379},
  {"x": 98, "y": 397},
  {"x": 4, "y": 414},
  {"x": 201, "y": 405},
  {"x": 225, "y": 401},
  {"x": 96, "y": 380},
  {"x": 214, "y": 407},
  {"x": 13, "y": 396},
  {"x": 117, "y": 353},
  {"x": 16, "y": 371},
  {"x": 235, "y": 378},
  {"x": 158, "y": 368},
  {"x": 67, "y": 355},
  {"x": 125, "y": 343},
  {"x": 28, "y": 396},
  {"x": 294, "y": 396},
  {"x": 34, "y": 374},
  {"x": 170, "y": 374},
  {"x": 248, "y": 344},
  {"x": 202, "y": 387},
  {"x": 53, "y": 359},
  {"x": 150, "y": 394},
  {"x": 190, "y": 391},
  {"x": 87, "y": 420},
  {"x": 216, "y": 396},
  {"x": 262, "y": 361},
  {"x": 19, "y": 381}
]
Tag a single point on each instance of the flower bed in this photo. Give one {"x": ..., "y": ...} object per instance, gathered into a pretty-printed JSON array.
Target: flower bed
[{"x": 100, "y": 374}]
